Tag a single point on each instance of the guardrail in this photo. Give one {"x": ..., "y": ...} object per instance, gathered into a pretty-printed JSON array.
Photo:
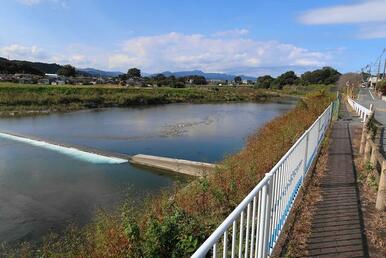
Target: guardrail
[
  {"x": 254, "y": 226},
  {"x": 363, "y": 112}
]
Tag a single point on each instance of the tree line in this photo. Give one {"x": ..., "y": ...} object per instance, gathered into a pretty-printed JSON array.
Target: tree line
[
  {"x": 134, "y": 75},
  {"x": 325, "y": 75}
]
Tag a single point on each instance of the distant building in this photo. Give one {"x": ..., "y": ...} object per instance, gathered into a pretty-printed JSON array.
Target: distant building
[
  {"x": 217, "y": 82},
  {"x": 373, "y": 81},
  {"x": 51, "y": 75},
  {"x": 44, "y": 81}
]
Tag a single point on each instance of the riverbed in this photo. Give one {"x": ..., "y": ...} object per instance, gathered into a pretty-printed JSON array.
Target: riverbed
[{"x": 42, "y": 190}]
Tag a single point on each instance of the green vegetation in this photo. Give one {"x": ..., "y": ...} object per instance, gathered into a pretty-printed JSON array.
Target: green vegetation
[
  {"x": 67, "y": 70},
  {"x": 17, "y": 99},
  {"x": 381, "y": 87},
  {"x": 177, "y": 222},
  {"x": 324, "y": 76},
  {"x": 16, "y": 66}
]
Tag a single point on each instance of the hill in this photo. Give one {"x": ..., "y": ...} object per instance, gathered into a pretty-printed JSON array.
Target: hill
[
  {"x": 208, "y": 76},
  {"x": 99, "y": 73},
  {"x": 12, "y": 67}
]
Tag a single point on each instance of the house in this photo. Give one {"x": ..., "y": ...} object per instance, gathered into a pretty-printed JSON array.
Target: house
[
  {"x": 51, "y": 75},
  {"x": 217, "y": 82},
  {"x": 373, "y": 80},
  {"x": 26, "y": 78},
  {"x": 134, "y": 82},
  {"x": 44, "y": 81},
  {"x": 6, "y": 77}
]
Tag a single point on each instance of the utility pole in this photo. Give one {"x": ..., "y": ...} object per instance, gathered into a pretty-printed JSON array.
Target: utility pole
[
  {"x": 379, "y": 64},
  {"x": 379, "y": 67},
  {"x": 384, "y": 69}
]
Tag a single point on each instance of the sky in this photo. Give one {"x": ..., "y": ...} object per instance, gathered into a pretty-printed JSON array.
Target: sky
[{"x": 250, "y": 37}]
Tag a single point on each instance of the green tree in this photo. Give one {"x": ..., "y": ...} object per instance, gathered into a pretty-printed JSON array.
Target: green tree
[
  {"x": 134, "y": 73},
  {"x": 264, "y": 81},
  {"x": 67, "y": 70},
  {"x": 196, "y": 79},
  {"x": 326, "y": 75},
  {"x": 238, "y": 79},
  {"x": 287, "y": 78}
]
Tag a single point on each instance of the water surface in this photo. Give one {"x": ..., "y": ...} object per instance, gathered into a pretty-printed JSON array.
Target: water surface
[{"x": 42, "y": 190}]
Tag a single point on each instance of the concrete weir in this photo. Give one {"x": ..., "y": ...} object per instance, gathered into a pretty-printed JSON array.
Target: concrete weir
[
  {"x": 81, "y": 153},
  {"x": 192, "y": 168}
]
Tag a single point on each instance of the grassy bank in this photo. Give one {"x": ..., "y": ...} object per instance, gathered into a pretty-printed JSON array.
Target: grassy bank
[
  {"x": 177, "y": 222},
  {"x": 19, "y": 99},
  {"x": 22, "y": 99}
]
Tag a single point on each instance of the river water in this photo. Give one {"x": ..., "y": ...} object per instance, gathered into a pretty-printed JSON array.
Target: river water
[{"x": 43, "y": 190}]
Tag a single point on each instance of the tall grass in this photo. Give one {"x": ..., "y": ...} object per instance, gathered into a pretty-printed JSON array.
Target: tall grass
[
  {"x": 21, "y": 99},
  {"x": 177, "y": 222}
]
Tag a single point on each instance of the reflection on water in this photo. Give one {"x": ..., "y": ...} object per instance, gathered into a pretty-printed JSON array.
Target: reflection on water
[{"x": 41, "y": 190}]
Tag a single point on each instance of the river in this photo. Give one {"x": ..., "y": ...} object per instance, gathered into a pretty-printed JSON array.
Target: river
[{"x": 43, "y": 190}]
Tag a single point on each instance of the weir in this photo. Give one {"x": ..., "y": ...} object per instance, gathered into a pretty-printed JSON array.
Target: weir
[
  {"x": 187, "y": 167},
  {"x": 77, "y": 153}
]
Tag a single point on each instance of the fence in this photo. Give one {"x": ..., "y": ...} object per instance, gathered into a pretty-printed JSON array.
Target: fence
[
  {"x": 254, "y": 226},
  {"x": 363, "y": 112},
  {"x": 371, "y": 148}
]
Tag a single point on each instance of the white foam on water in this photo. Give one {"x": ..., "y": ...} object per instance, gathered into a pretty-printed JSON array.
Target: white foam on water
[{"x": 70, "y": 151}]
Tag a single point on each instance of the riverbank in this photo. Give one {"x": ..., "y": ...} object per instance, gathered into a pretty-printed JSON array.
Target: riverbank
[
  {"x": 175, "y": 223},
  {"x": 27, "y": 100}
]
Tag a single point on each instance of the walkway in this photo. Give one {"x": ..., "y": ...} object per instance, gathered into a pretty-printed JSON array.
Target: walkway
[{"x": 337, "y": 228}]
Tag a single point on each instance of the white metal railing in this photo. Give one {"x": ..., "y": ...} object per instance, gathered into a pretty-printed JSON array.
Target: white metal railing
[
  {"x": 363, "y": 112},
  {"x": 254, "y": 226}
]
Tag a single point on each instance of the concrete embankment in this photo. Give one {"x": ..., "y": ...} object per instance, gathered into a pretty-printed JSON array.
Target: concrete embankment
[
  {"x": 192, "y": 168},
  {"x": 78, "y": 152}
]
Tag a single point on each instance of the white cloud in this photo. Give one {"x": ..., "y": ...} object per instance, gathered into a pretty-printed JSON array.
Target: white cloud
[
  {"x": 30, "y": 2},
  {"x": 232, "y": 33},
  {"x": 77, "y": 56},
  {"x": 16, "y": 51},
  {"x": 361, "y": 12},
  {"x": 175, "y": 51},
  {"x": 60, "y": 3},
  {"x": 375, "y": 31}
]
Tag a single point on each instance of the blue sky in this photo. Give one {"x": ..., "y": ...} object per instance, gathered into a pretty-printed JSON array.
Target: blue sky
[{"x": 251, "y": 37}]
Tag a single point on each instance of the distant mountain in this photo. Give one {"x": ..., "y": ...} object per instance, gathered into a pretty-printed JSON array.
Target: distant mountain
[
  {"x": 38, "y": 68},
  {"x": 14, "y": 66},
  {"x": 97, "y": 73},
  {"x": 17, "y": 66},
  {"x": 208, "y": 76}
]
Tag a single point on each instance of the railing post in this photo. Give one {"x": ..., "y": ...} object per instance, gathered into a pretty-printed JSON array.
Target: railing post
[
  {"x": 264, "y": 220},
  {"x": 306, "y": 156},
  {"x": 381, "y": 195},
  {"x": 367, "y": 149},
  {"x": 319, "y": 128},
  {"x": 267, "y": 216},
  {"x": 375, "y": 147},
  {"x": 363, "y": 139},
  {"x": 374, "y": 154}
]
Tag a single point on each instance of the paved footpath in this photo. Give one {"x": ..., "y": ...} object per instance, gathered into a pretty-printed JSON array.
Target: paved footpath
[{"x": 337, "y": 228}]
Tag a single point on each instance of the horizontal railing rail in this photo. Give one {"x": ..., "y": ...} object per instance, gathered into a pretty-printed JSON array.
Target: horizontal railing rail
[
  {"x": 254, "y": 226},
  {"x": 363, "y": 112}
]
